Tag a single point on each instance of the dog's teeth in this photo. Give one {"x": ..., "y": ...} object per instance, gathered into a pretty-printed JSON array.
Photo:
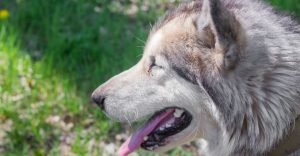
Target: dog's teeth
[
  {"x": 161, "y": 128},
  {"x": 150, "y": 148},
  {"x": 178, "y": 113},
  {"x": 145, "y": 138},
  {"x": 168, "y": 125}
]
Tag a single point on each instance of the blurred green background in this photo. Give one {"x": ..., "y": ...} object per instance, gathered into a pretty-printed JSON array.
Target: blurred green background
[{"x": 53, "y": 53}]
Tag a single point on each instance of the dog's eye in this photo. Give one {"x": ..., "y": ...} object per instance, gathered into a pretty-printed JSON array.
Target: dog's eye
[{"x": 153, "y": 64}]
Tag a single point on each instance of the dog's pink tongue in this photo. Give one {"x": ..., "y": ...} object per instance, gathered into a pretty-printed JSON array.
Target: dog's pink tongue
[{"x": 135, "y": 141}]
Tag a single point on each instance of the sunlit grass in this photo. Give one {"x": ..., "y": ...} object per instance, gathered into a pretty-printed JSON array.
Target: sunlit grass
[
  {"x": 52, "y": 56},
  {"x": 29, "y": 97}
]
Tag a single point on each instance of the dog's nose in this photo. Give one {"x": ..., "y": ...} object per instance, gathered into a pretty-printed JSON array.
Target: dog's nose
[{"x": 99, "y": 100}]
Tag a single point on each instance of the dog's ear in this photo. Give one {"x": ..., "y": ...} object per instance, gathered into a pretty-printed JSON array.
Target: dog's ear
[{"x": 221, "y": 31}]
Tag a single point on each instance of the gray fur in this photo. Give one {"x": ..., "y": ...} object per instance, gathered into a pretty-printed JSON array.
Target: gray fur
[
  {"x": 260, "y": 99},
  {"x": 255, "y": 99}
]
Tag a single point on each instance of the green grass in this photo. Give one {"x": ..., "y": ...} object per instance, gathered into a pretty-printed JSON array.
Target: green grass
[
  {"x": 293, "y": 6},
  {"x": 53, "y": 54}
]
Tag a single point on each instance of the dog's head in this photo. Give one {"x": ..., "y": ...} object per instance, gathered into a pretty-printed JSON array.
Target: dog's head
[{"x": 195, "y": 43}]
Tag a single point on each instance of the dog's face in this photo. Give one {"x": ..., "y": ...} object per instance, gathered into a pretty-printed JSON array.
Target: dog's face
[
  {"x": 153, "y": 85},
  {"x": 166, "y": 83}
]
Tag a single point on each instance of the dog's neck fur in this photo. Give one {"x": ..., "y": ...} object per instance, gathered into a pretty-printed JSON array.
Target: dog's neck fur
[
  {"x": 266, "y": 82},
  {"x": 290, "y": 144},
  {"x": 259, "y": 99}
]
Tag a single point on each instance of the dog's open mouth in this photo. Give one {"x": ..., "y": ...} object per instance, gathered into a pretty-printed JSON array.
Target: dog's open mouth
[{"x": 155, "y": 132}]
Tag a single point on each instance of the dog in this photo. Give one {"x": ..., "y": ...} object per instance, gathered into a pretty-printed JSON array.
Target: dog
[{"x": 224, "y": 74}]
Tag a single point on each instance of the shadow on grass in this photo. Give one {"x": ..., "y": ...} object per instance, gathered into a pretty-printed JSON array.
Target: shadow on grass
[
  {"x": 75, "y": 40},
  {"x": 291, "y": 6}
]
